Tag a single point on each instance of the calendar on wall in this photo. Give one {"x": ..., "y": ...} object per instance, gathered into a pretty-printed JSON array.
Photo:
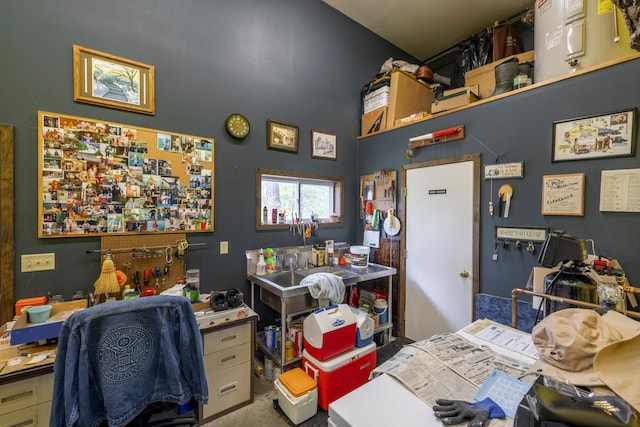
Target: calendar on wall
[{"x": 104, "y": 178}]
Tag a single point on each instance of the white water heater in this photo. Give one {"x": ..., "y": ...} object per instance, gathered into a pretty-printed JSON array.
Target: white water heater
[{"x": 571, "y": 35}]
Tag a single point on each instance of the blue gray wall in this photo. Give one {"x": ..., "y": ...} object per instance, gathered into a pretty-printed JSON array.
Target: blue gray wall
[{"x": 299, "y": 62}]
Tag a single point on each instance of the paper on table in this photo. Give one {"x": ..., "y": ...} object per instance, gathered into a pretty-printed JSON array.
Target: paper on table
[
  {"x": 503, "y": 336},
  {"x": 506, "y": 391}
]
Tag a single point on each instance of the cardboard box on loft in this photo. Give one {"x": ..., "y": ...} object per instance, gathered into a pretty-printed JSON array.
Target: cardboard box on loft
[
  {"x": 377, "y": 99},
  {"x": 455, "y": 98},
  {"x": 485, "y": 76},
  {"x": 373, "y": 121},
  {"x": 407, "y": 96}
]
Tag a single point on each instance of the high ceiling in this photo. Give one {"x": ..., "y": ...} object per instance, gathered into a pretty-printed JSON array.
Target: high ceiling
[{"x": 425, "y": 28}]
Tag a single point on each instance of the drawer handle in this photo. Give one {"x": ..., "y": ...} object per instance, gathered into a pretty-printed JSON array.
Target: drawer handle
[
  {"x": 18, "y": 396},
  {"x": 229, "y": 338},
  {"x": 228, "y": 388},
  {"x": 227, "y": 359},
  {"x": 29, "y": 422}
]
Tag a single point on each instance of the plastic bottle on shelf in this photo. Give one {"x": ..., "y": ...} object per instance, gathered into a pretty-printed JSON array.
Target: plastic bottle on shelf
[{"x": 261, "y": 267}]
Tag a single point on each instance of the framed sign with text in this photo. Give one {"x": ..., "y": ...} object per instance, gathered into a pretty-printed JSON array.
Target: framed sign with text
[{"x": 563, "y": 194}]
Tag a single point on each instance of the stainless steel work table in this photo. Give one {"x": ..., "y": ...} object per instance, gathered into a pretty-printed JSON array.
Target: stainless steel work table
[{"x": 283, "y": 293}]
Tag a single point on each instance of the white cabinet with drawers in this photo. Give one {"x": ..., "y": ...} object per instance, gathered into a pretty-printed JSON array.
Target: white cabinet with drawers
[
  {"x": 228, "y": 361},
  {"x": 26, "y": 402}
]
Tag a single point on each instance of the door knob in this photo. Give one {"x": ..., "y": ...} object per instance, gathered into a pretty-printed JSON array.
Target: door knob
[{"x": 464, "y": 273}]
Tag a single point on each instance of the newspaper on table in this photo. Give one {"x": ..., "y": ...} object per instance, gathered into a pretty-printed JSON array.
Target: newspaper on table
[{"x": 447, "y": 366}]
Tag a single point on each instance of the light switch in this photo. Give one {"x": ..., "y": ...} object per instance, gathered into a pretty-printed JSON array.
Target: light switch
[
  {"x": 224, "y": 248},
  {"x": 38, "y": 262}
]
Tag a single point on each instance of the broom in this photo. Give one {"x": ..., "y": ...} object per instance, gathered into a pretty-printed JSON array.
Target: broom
[{"x": 107, "y": 283}]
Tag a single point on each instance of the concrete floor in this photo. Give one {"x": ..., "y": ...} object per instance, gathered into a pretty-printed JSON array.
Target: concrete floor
[{"x": 262, "y": 413}]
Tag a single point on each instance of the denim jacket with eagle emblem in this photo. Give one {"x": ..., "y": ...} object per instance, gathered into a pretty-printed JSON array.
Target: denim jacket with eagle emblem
[{"x": 116, "y": 358}]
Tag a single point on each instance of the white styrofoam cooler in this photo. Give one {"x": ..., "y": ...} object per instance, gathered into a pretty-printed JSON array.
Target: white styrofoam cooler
[
  {"x": 330, "y": 331},
  {"x": 300, "y": 408}
]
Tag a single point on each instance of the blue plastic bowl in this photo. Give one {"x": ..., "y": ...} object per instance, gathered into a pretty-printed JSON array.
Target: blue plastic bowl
[{"x": 39, "y": 313}]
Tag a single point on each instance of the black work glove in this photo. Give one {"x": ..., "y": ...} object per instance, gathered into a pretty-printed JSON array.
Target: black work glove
[{"x": 456, "y": 411}]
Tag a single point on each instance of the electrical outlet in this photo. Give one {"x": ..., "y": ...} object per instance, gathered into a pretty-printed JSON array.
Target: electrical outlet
[
  {"x": 38, "y": 262},
  {"x": 224, "y": 248}
]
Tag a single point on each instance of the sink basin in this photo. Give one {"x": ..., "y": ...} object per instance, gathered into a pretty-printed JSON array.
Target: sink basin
[
  {"x": 286, "y": 279},
  {"x": 341, "y": 272},
  {"x": 290, "y": 278}
]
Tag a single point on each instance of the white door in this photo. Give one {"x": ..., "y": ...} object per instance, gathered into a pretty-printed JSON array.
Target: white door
[{"x": 441, "y": 247}]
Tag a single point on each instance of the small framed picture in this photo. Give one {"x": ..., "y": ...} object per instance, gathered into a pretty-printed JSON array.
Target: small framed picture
[
  {"x": 324, "y": 145},
  {"x": 282, "y": 136},
  {"x": 109, "y": 81},
  {"x": 595, "y": 137},
  {"x": 563, "y": 194}
]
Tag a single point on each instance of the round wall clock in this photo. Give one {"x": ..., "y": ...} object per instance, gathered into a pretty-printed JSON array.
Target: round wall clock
[{"x": 237, "y": 126}]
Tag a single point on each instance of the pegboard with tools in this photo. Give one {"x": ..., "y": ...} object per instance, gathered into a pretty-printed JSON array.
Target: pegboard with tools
[
  {"x": 150, "y": 262},
  {"x": 378, "y": 191}
]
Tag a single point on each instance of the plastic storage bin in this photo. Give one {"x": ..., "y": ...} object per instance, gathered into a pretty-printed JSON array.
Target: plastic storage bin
[
  {"x": 26, "y": 302},
  {"x": 297, "y": 395}
]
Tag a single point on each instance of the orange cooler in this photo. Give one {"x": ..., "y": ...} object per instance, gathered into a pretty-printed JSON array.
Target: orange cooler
[{"x": 340, "y": 374}]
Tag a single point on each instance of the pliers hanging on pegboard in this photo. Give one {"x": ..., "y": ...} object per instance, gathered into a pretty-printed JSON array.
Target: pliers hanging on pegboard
[{"x": 135, "y": 278}]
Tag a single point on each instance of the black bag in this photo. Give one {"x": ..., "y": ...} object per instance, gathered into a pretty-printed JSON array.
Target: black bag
[{"x": 594, "y": 411}]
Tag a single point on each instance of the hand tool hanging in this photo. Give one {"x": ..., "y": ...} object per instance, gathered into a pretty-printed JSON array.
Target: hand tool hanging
[
  {"x": 135, "y": 278},
  {"x": 156, "y": 275},
  {"x": 146, "y": 276},
  {"x": 491, "y": 209},
  {"x": 505, "y": 193}
]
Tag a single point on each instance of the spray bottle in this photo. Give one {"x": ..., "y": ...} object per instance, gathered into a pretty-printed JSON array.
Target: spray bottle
[{"x": 261, "y": 267}]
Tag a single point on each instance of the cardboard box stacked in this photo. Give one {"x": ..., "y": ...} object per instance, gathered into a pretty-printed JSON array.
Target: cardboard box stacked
[
  {"x": 454, "y": 98},
  {"x": 336, "y": 354},
  {"x": 387, "y": 106},
  {"x": 485, "y": 76}
]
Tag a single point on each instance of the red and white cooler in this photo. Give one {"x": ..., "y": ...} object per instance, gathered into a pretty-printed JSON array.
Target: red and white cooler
[
  {"x": 340, "y": 374},
  {"x": 329, "y": 331}
]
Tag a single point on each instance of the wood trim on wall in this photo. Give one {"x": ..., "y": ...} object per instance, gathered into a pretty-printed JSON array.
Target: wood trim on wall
[{"x": 6, "y": 223}]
